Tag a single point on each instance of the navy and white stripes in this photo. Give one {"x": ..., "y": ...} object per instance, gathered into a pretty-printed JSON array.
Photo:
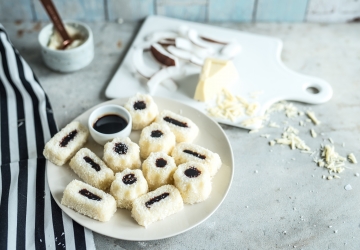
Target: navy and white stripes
[{"x": 29, "y": 216}]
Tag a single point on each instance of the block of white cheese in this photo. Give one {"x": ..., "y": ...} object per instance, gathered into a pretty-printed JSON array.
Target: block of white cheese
[{"x": 216, "y": 74}]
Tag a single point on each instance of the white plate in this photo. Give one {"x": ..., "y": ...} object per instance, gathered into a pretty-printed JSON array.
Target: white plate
[
  {"x": 122, "y": 225},
  {"x": 259, "y": 65}
]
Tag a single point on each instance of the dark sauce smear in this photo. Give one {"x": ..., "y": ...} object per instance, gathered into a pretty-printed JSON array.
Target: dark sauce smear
[
  {"x": 139, "y": 105},
  {"x": 161, "y": 162},
  {"x": 156, "y": 199},
  {"x": 192, "y": 172},
  {"x": 110, "y": 124},
  {"x": 64, "y": 142},
  {"x": 175, "y": 122},
  {"x": 195, "y": 154},
  {"x": 93, "y": 164},
  {"x": 89, "y": 195},
  {"x": 156, "y": 133},
  {"x": 129, "y": 179},
  {"x": 120, "y": 148}
]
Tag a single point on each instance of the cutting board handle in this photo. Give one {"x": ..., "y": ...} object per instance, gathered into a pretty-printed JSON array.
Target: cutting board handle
[{"x": 306, "y": 88}]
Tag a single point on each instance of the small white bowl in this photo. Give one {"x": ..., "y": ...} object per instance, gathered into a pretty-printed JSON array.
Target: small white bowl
[
  {"x": 110, "y": 109},
  {"x": 67, "y": 60}
]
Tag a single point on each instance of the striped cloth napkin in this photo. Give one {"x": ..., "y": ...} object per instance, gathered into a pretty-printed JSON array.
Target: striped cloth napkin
[{"x": 29, "y": 216}]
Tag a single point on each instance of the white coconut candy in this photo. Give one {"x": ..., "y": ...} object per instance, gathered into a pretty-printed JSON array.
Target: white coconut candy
[
  {"x": 157, "y": 205},
  {"x": 88, "y": 200},
  {"x": 63, "y": 146}
]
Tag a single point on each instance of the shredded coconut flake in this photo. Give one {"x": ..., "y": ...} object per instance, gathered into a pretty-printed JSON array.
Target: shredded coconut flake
[
  {"x": 254, "y": 121},
  {"x": 313, "y": 133},
  {"x": 313, "y": 118},
  {"x": 331, "y": 160},
  {"x": 289, "y": 137},
  {"x": 231, "y": 107},
  {"x": 352, "y": 158}
]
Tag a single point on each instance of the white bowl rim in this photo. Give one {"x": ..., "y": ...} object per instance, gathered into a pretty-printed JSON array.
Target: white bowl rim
[
  {"x": 69, "y": 51},
  {"x": 92, "y": 119}
]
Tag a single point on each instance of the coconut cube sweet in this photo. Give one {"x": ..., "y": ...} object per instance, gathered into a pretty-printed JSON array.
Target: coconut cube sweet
[
  {"x": 154, "y": 138},
  {"x": 89, "y": 201},
  {"x": 193, "y": 181},
  {"x": 122, "y": 153},
  {"x": 142, "y": 109},
  {"x": 158, "y": 170},
  {"x": 127, "y": 186},
  {"x": 157, "y": 205},
  {"x": 63, "y": 146},
  {"x": 89, "y": 167},
  {"x": 184, "y": 152},
  {"x": 184, "y": 129}
]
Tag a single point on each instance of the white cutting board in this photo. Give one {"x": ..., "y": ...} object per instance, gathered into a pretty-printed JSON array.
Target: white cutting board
[{"x": 259, "y": 66}]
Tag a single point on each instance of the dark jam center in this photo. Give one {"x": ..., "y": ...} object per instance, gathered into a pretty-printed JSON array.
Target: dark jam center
[
  {"x": 89, "y": 195},
  {"x": 139, "y": 105},
  {"x": 93, "y": 164},
  {"x": 192, "y": 172},
  {"x": 110, "y": 124},
  {"x": 195, "y": 154},
  {"x": 156, "y": 133},
  {"x": 120, "y": 148},
  {"x": 64, "y": 142},
  {"x": 161, "y": 162},
  {"x": 156, "y": 199},
  {"x": 129, "y": 179},
  {"x": 175, "y": 122}
]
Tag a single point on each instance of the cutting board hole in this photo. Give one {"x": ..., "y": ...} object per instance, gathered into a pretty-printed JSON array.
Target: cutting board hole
[{"x": 313, "y": 90}]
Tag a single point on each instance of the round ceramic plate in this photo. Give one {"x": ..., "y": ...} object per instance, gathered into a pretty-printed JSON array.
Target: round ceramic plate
[{"x": 122, "y": 225}]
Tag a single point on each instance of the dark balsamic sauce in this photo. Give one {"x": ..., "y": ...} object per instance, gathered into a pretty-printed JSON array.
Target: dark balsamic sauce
[
  {"x": 129, "y": 179},
  {"x": 175, "y": 122},
  {"x": 93, "y": 164},
  {"x": 192, "y": 172},
  {"x": 89, "y": 195},
  {"x": 110, "y": 124},
  {"x": 156, "y": 133},
  {"x": 161, "y": 162},
  {"x": 156, "y": 199},
  {"x": 139, "y": 105},
  {"x": 194, "y": 154},
  {"x": 65, "y": 141},
  {"x": 120, "y": 148}
]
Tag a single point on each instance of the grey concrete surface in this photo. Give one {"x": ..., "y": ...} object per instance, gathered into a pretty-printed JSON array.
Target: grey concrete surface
[{"x": 278, "y": 199}]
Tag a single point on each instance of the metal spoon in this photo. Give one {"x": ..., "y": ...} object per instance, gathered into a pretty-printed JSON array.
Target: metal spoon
[{"x": 58, "y": 24}]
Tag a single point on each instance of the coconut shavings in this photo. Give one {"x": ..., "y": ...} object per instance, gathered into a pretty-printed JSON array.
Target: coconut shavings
[
  {"x": 229, "y": 106},
  {"x": 290, "y": 137},
  {"x": 331, "y": 159},
  {"x": 313, "y": 133},
  {"x": 253, "y": 121},
  {"x": 352, "y": 158},
  {"x": 313, "y": 118},
  {"x": 290, "y": 110}
]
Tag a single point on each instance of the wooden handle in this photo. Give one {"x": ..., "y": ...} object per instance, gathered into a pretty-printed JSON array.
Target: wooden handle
[{"x": 55, "y": 18}]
